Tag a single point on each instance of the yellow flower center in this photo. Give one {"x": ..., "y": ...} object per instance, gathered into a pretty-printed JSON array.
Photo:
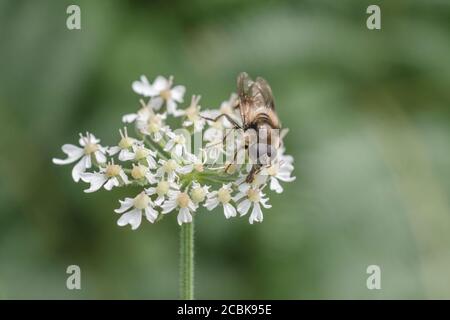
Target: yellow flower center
[
  {"x": 198, "y": 194},
  {"x": 112, "y": 170},
  {"x": 138, "y": 172},
  {"x": 166, "y": 94},
  {"x": 253, "y": 195},
  {"x": 141, "y": 201},
  {"x": 183, "y": 200},
  {"x": 142, "y": 153},
  {"x": 192, "y": 113},
  {"x": 125, "y": 143},
  {"x": 153, "y": 127},
  {"x": 162, "y": 188},
  {"x": 223, "y": 195},
  {"x": 170, "y": 166},
  {"x": 90, "y": 148}
]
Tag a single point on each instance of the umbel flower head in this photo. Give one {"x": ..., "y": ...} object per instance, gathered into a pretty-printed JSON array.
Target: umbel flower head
[{"x": 231, "y": 166}]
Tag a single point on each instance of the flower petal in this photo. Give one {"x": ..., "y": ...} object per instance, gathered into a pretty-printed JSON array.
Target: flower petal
[
  {"x": 184, "y": 216},
  {"x": 243, "y": 207},
  {"x": 126, "y": 204},
  {"x": 256, "y": 214},
  {"x": 133, "y": 218},
  {"x": 229, "y": 210}
]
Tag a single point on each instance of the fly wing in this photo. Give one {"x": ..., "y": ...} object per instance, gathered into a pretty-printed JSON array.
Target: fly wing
[
  {"x": 254, "y": 96},
  {"x": 262, "y": 94}
]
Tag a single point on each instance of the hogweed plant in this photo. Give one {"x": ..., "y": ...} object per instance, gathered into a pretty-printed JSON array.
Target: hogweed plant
[{"x": 226, "y": 157}]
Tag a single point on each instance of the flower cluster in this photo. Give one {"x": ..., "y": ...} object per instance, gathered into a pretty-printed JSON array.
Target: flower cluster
[{"x": 172, "y": 176}]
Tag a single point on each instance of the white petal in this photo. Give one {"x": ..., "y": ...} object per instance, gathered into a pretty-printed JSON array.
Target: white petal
[
  {"x": 73, "y": 154},
  {"x": 113, "y": 150},
  {"x": 185, "y": 169},
  {"x": 151, "y": 214},
  {"x": 100, "y": 157},
  {"x": 126, "y": 155},
  {"x": 160, "y": 83},
  {"x": 178, "y": 93},
  {"x": 160, "y": 200},
  {"x": 129, "y": 118},
  {"x": 211, "y": 203},
  {"x": 171, "y": 107},
  {"x": 132, "y": 217},
  {"x": 95, "y": 179},
  {"x": 184, "y": 216},
  {"x": 229, "y": 210},
  {"x": 79, "y": 168},
  {"x": 112, "y": 182},
  {"x": 126, "y": 204},
  {"x": 156, "y": 103},
  {"x": 275, "y": 185},
  {"x": 168, "y": 206},
  {"x": 243, "y": 207},
  {"x": 169, "y": 145},
  {"x": 256, "y": 214}
]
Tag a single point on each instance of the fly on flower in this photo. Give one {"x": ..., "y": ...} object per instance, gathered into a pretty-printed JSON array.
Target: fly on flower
[{"x": 158, "y": 160}]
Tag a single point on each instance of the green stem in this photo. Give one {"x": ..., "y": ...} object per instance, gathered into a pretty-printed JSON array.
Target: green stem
[{"x": 187, "y": 261}]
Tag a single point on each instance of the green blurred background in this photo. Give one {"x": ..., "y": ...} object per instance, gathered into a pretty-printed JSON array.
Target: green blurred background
[{"x": 368, "y": 113}]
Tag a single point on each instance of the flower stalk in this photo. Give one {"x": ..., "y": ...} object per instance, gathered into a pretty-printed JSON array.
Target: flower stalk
[{"x": 187, "y": 261}]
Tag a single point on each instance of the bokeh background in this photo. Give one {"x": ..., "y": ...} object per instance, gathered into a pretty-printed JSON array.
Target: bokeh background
[{"x": 368, "y": 113}]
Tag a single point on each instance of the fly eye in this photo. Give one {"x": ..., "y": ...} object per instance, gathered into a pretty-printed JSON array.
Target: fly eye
[{"x": 261, "y": 153}]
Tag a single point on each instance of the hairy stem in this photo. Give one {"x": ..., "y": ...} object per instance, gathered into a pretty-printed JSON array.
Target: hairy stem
[{"x": 187, "y": 261}]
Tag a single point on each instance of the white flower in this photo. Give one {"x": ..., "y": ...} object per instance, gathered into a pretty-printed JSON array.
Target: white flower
[
  {"x": 198, "y": 192},
  {"x": 181, "y": 200},
  {"x": 279, "y": 170},
  {"x": 140, "y": 117},
  {"x": 163, "y": 92},
  {"x": 170, "y": 168},
  {"x": 133, "y": 209},
  {"x": 192, "y": 162},
  {"x": 90, "y": 148},
  {"x": 124, "y": 145},
  {"x": 161, "y": 190},
  {"x": 176, "y": 144},
  {"x": 252, "y": 197},
  {"x": 140, "y": 154},
  {"x": 143, "y": 87},
  {"x": 140, "y": 172},
  {"x": 192, "y": 114},
  {"x": 110, "y": 176},
  {"x": 222, "y": 196}
]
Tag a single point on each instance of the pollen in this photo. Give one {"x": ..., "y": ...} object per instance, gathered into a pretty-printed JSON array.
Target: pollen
[
  {"x": 125, "y": 142},
  {"x": 141, "y": 201},
  {"x": 112, "y": 170},
  {"x": 170, "y": 165},
  {"x": 198, "y": 194},
  {"x": 162, "y": 188},
  {"x": 253, "y": 195},
  {"x": 183, "y": 200},
  {"x": 166, "y": 94},
  {"x": 138, "y": 172},
  {"x": 141, "y": 153},
  {"x": 154, "y": 126},
  {"x": 223, "y": 195},
  {"x": 90, "y": 148}
]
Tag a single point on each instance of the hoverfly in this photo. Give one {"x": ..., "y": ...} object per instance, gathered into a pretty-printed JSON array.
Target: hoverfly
[{"x": 258, "y": 116}]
